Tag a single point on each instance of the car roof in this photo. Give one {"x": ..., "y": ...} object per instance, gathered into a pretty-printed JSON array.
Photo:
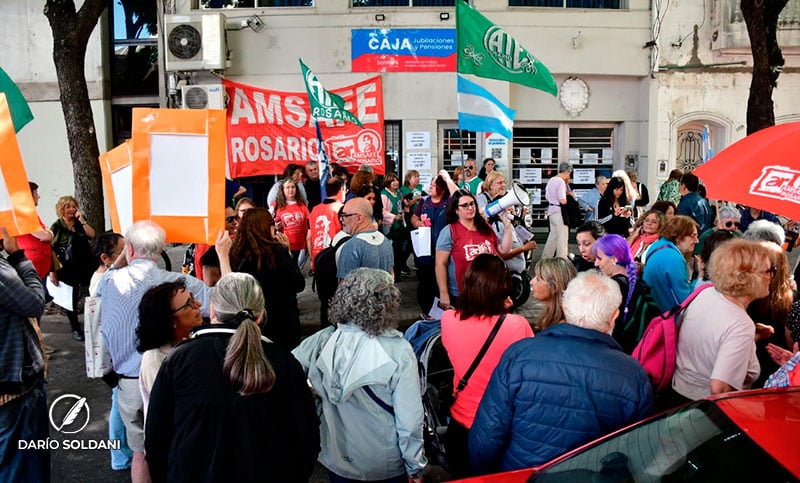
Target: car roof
[{"x": 771, "y": 418}]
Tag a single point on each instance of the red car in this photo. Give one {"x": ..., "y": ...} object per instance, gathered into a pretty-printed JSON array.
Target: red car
[{"x": 739, "y": 436}]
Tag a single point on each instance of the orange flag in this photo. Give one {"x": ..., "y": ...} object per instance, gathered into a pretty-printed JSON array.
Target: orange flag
[{"x": 17, "y": 211}]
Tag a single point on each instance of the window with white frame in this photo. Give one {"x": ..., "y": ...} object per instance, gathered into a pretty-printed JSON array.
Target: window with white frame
[
  {"x": 612, "y": 4},
  {"x": 255, "y": 3},
  {"x": 404, "y": 3}
]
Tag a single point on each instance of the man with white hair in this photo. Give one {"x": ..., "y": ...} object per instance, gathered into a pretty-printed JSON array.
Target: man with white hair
[
  {"x": 556, "y": 192},
  {"x": 120, "y": 290},
  {"x": 570, "y": 384}
]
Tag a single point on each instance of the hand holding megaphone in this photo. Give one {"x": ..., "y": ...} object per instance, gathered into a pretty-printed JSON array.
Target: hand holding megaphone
[{"x": 517, "y": 195}]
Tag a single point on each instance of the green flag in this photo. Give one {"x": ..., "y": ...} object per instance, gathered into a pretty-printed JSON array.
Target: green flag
[
  {"x": 324, "y": 104},
  {"x": 486, "y": 50},
  {"x": 20, "y": 112}
]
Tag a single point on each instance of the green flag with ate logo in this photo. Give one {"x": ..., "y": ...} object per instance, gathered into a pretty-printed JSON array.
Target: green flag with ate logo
[
  {"x": 324, "y": 104},
  {"x": 486, "y": 50}
]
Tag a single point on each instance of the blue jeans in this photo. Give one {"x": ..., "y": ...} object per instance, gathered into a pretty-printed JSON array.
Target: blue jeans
[
  {"x": 120, "y": 458},
  {"x": 25, "y": 419}
]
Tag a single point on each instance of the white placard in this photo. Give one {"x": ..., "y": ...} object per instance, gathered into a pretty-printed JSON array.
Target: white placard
[
  {"x": 418, "y": 161},
  {"x": 530, "y": 175},
  {"x": 179, "y": 175},
  {"x": 535, "y": 195},
  {"x": 608, "y": 155},
  {"x": 457, "y": 159},
  {"x": 435, "y": 312},
  {"x": 418, "y": 140},
  {"x": 61, "y": 293},
  {"x": 547, "y": 155},
  {"x": 425, "y": 180},
  {"x": 583, "y": 176},
  {"x": 421, "y": 241},
  {"x": 580, "y": 193},
  {"x": 525, "y": 155},
  {"x": 122, "y": 183},
  {"x": 590, "y": 158},
  {"x": 574, "y": 154},
  {"x": 496, "y": 147}
]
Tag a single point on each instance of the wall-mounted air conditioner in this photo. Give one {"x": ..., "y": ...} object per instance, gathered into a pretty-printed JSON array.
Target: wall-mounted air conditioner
[
  {"x": 203, "y": 96},
  {"x": 195, "y": 41}
]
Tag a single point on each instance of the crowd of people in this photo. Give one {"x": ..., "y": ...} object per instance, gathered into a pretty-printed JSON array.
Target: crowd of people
[{"x": 214, "y": 381}]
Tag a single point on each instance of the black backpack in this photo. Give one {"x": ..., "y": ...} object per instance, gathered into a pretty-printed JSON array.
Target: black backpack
[{"x": 325, "y": 279}]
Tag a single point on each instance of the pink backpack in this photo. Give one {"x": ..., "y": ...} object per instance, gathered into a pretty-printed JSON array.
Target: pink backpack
[{"x": 656, "y": 350}]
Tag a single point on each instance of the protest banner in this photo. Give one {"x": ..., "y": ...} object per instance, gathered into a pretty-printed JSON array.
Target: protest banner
[
  {"x": 17, "y": 210},
  {"x": 268, "y": 129},
  {"x": 116, "y": 167}
]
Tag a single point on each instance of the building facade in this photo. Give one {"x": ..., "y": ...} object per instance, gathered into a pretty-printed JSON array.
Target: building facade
[{"x": 638, "y": 80}]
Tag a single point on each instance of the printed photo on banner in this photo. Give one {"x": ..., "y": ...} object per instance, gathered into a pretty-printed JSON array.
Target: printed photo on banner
[{"x": 269, "y": 129}]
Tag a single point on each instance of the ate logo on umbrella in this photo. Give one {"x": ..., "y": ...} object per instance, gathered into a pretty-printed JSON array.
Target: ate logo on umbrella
[
  {"x": 778, "y": 182},
  {"x": 761, "y": 171}
]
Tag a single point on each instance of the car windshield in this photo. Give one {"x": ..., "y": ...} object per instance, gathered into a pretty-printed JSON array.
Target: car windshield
[{"x": 695, "y": 443}]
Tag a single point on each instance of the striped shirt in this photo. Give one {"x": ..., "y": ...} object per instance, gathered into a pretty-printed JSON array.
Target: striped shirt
[{"x": 121, "y": 291}]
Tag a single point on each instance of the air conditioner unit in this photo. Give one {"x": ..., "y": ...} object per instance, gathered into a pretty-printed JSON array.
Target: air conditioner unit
[
  {"x": 203, "y": 96},
  {"x": 195, "y": 41}
]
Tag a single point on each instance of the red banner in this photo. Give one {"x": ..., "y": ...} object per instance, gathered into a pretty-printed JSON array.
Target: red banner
[{"x": 267, "y": 130}]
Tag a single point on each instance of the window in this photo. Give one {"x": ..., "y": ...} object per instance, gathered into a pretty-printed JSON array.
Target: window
[
  {"x": 455, "y": 144},
  {"x": 537, "y": 150},
  {"x": 135, "y": 75},
  {"x": 695, "y": 444},
  {"x": 566, "y": 3},
  {"x": 393, "y": 136},
  {"x": 255, "y": 3},
  {"x": 404, "y": 3}
]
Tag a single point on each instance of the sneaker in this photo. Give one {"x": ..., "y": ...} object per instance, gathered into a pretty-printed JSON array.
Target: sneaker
[{"x": 78, "y": 335}]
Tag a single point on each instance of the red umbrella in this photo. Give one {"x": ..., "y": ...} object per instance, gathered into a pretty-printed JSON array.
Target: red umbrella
[{"x": 761, "y": 170}]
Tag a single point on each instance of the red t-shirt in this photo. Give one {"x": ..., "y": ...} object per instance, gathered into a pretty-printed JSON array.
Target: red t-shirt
[
  {"x": 463, "y": 339},
  {"x": 467, "y": 245},
  {"x": 324, "y": 225},
  {"x": 295, "y": 224},
  {"x": 38, "y": 252}
]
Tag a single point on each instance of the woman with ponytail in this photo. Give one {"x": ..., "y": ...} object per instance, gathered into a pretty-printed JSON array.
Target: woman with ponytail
[
  {"x": 230, "y": 405},
  {"x": 366, "y": 375},
  {"x": 613, "y": 258}
]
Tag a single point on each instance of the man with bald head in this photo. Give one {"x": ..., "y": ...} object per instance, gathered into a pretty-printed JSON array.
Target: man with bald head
[{"x": 367, "y": 247}]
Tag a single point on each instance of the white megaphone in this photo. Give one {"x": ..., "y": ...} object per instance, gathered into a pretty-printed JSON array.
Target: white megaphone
[{"x": 517, "y": 195}]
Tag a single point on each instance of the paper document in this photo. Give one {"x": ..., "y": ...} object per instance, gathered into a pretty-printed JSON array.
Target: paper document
[{"x": 62, "y": 294}]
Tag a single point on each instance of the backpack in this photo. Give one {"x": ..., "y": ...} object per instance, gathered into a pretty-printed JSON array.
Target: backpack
[
  {"x": 325, "y": 278},
  {"x": 657, "y": 350},
  {"x": 571, "y": 213},
  {"x": 642, "y": 308}
]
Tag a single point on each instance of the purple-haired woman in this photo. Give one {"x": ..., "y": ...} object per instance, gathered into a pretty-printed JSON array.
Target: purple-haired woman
[{"x": 613, "y": 258}]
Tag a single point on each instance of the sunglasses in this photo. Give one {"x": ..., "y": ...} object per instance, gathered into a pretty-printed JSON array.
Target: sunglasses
[
  {"x": 729, "y": 224},
  {"x": 231, "y": 219}
]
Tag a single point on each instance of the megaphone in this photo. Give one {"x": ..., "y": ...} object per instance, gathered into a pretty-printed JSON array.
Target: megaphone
[{"x": 517, "y": 195}]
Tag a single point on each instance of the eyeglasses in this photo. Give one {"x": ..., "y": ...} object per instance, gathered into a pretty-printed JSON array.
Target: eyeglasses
[
  {"x": 342, "y": 216},
  {"x": 729, "y": 224},
  {"x": 771, "y": 271},
  {"x": 231, "y": 219},
  {"x": 188, "y": 305},
  {"x": 467, "y": 206}
]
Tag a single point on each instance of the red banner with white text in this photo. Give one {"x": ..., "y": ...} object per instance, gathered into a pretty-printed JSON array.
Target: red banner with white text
[{"x": 267, "y": 129}]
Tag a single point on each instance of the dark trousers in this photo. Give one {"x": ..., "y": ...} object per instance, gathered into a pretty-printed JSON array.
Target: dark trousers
[
  {"x": 427, "y": 288},
  {"x": 25, "y": 419},
  {"x": 341, "y": 479},
  {"x": 456, "y": 444}
]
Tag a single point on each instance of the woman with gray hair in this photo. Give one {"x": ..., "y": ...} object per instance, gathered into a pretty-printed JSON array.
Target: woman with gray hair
[
  {"x": 231, "y": 400},
  {"x": 728, "y": 218},
  {"x": 366, "y": 375}
]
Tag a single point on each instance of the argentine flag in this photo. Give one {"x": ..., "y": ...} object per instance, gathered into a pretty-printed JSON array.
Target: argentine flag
[{"x": 479, "y": 110}]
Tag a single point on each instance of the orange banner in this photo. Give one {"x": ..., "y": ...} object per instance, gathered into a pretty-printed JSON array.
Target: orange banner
[
  {"x": 179, "y": 172},
  {"x": 116, "y": 168},
  {"x": 267, "y": 130},
  {"x": 17, "y": 210}
]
